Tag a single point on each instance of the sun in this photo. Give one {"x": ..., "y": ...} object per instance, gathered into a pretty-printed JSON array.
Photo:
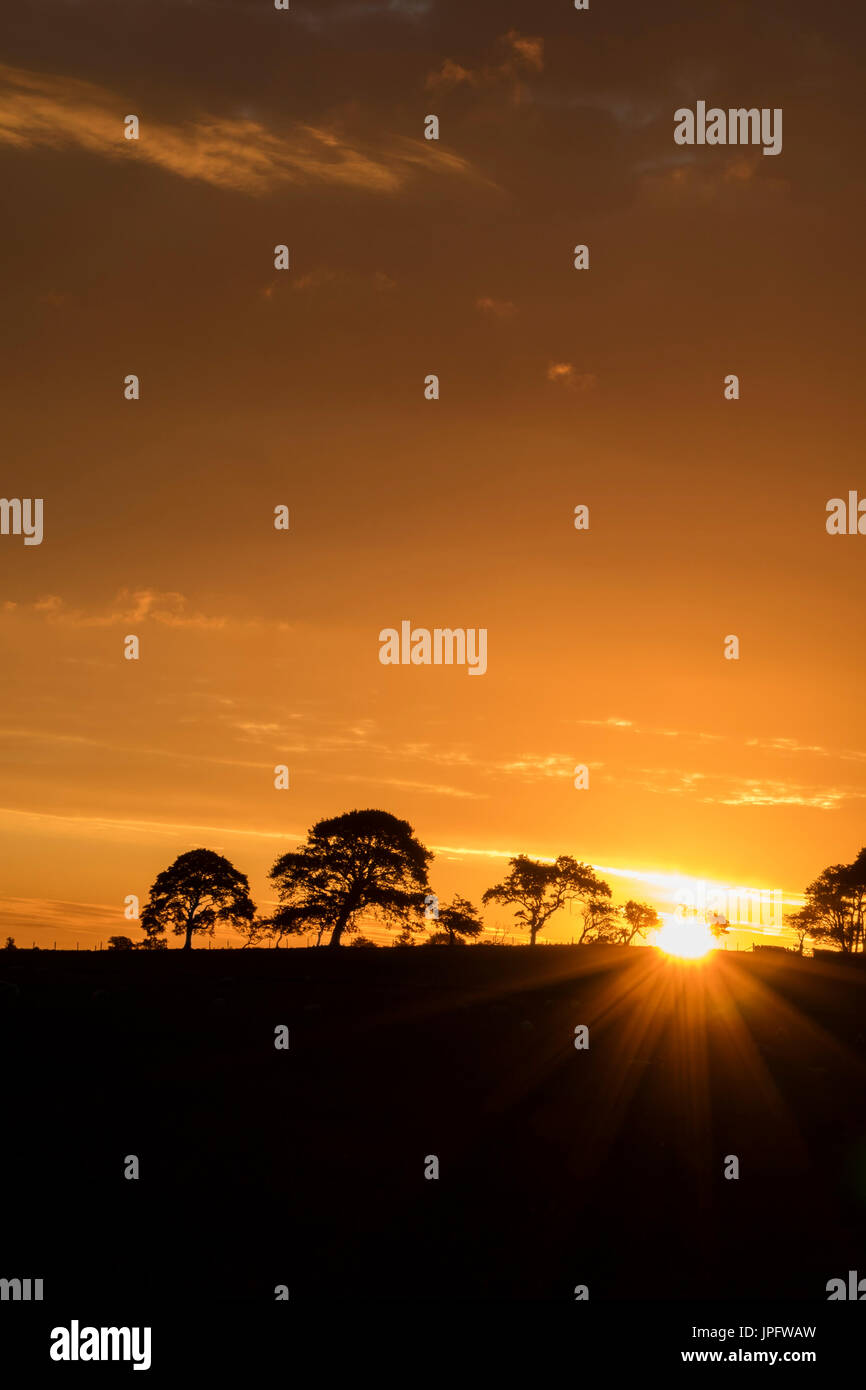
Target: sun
[{"x": 688, "y": 939}]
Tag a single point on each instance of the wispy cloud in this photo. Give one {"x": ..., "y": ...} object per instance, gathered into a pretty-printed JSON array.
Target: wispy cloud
[
  {"x": 133, "y": 606},
  {"x": 611, "y": 723},
  {"x": 324, "y": 277},
  {"x": 41, "y": 914},
  {"x": 514, "y": 57},
  {"x": 722, "y": 790},
  {"x": 678, "y": 180},
  {"x": 533, "y": 766},
  {"x": 431, "y": 788},
  {"x": 356, "y": 11},
  {"x": 565, "y": 375},
  {"x": 108, "y": 825},
  {"x": 496, "y": 308},
  {"x": 751, "y": 793},
  {"x": 792, "y": 745},
  {"x": 58, "y": 112}
]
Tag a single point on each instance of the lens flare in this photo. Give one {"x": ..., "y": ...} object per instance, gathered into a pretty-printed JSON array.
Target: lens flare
[{"x": 688, "y": 939}]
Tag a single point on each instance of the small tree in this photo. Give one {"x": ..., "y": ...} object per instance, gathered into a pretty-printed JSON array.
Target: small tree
[
  {"x": 154, "y": 942},
  {"x": 600, "y": 920},
  {"x": 637, "y": 920},
  {"x": 363, "y": 862},
  {"x": 458, "y": 921},
  {"x": 536, "y": 891},
  {"x": 10, "y": 944},
  {"x": 253, "y": 931},
  {"x": 198, "y": 890},
  {"x": 800, "y": 926},
  {"x": 121, "y": 943},
  {"x": 718, "y": 924}
]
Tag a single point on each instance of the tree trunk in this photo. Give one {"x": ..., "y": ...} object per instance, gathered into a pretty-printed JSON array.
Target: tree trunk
[
  {"x": 190, "y": 923},
  {"x": 339, "y": 927},
  {"x": 349, "y": 906}
]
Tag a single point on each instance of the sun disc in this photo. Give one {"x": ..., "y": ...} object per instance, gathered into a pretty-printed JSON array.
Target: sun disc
[{"x": 688, "y": 940}]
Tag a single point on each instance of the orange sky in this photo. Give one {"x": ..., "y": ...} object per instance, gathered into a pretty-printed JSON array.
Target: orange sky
[{"x": 305, "y": 387}]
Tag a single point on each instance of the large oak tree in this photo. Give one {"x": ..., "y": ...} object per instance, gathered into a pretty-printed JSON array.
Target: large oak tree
[
  {"x": 198, "y": 890},
  {"x": 357, "y": 863}
]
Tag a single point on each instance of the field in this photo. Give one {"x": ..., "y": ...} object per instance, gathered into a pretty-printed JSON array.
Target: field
[{"x": 558, "y": 1166}]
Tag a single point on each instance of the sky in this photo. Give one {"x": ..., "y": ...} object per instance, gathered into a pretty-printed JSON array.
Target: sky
[{"x": 305, "y": 388}]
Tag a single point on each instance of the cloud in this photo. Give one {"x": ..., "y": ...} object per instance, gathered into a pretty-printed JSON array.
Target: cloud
[
  {"x": 379, "y": 281},
  {"x": 40, "y": 736},
  {"x": 612, "y": 723},
  {"x": 783, "y": 794},
  {"x": 559, "y": 371},
  {"x": 721, "y": 790},
  {"x": 136, "y": 606},
  {"x": 678, "y": 179},
  {"x": 88, "y": 919},
  {"x": 630, "y": 110},
  {"x": 43, "y": 110},
  {"x": 497, "y": 308},
  {"x": 108, "y": 825},
  {"x": 436, "y": 788},
  {"x": 450, "y": 74},
  {"x": 564, "y": 373},
  {"x": 514, "y": 57},
  {"x": 792, "y": 745},
  {"x": 356, "y": 11},
  {"x": 531, "y": 766}
]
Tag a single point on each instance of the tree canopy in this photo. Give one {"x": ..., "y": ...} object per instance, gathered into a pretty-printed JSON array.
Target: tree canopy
[
  {"x": 834, "y": 907},
  {"x": 358, "y": 863},
  {"x": 198, "y": 890},
  {"x": 536, "y": 891},
  {"x": 458, "y": 920}
]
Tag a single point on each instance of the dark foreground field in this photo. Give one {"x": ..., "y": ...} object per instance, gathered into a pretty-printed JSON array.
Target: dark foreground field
[{"x": 558, "y": 1167}]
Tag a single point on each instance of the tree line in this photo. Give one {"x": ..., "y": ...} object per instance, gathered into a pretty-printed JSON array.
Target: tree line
[{"x": 368, "y": 864}]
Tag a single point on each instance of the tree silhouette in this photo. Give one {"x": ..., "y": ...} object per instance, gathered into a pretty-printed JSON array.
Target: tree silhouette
[
  {"x": 154, "y": 942},
  {"x": 198, "y": 890},
  {"x": 121, "y": 943},
  {"x": 800, "y": 929},
  {"x": 834, "y": 907},
  {"x": 10, "y": 944},
  {"x": 600, "y": 920},
  {"x": 857, "y": 889},
  {"x": 253, "y": 930},
  {"x": 363, "y": 861},
  {"x": 636, "y": 920},
  {"x": 458, "y": 920},
  {"x": 537, "y": 890}
]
